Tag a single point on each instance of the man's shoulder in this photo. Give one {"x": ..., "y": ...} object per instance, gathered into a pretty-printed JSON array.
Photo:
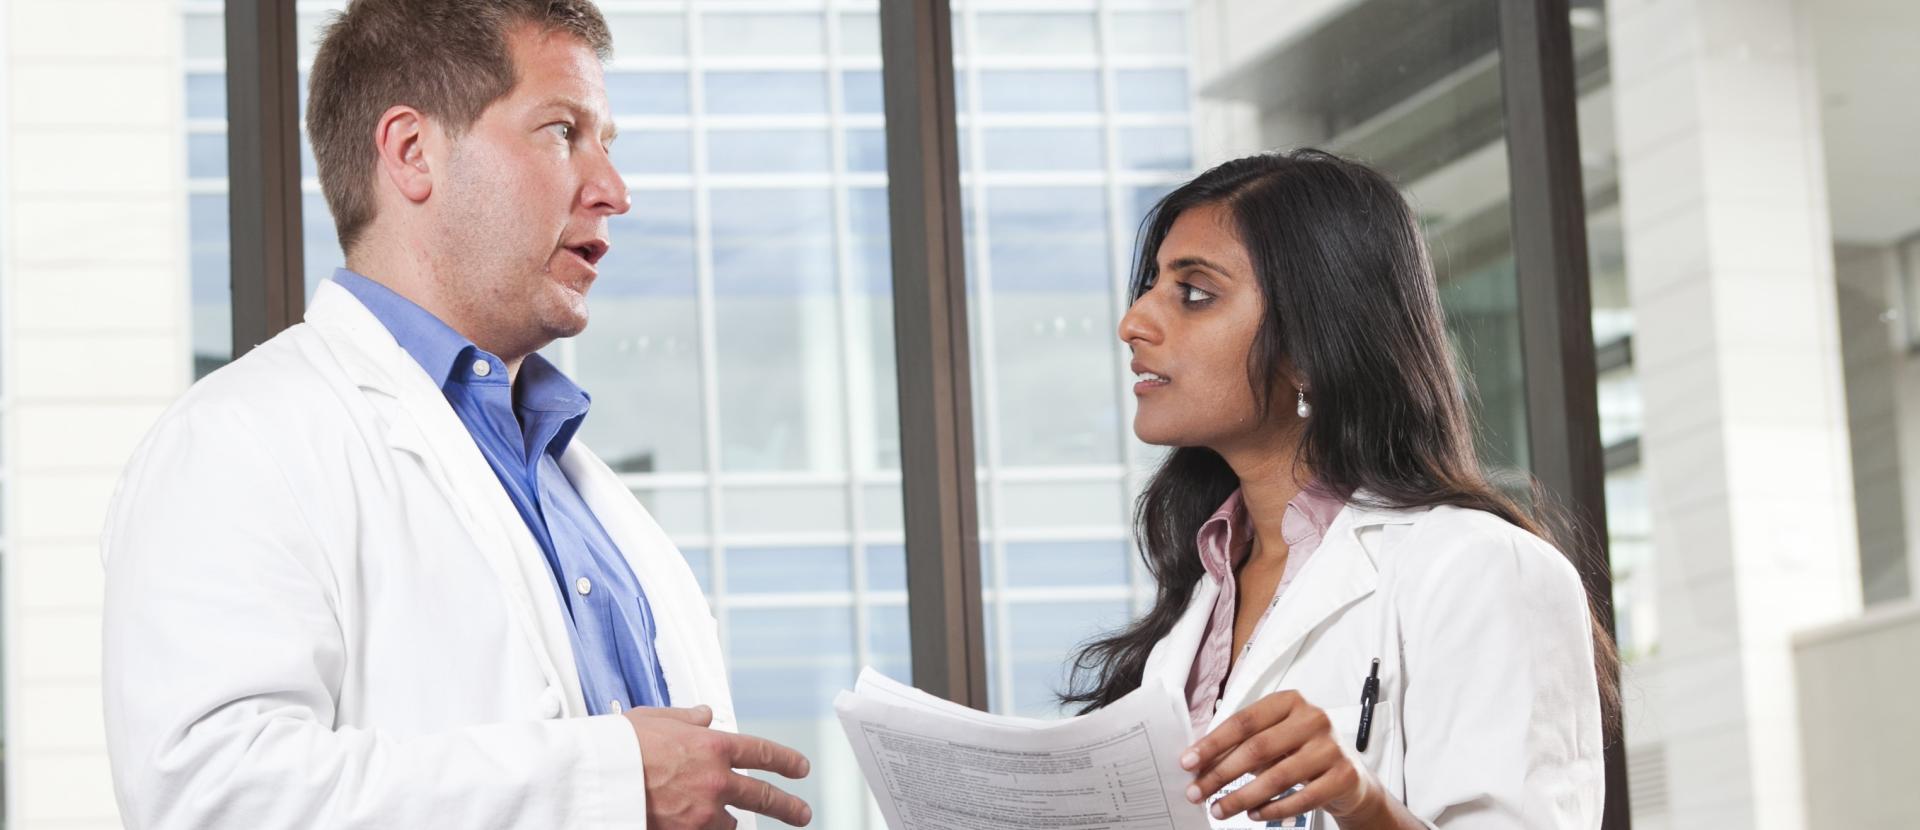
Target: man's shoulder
[{"x": 286, "y": 383}]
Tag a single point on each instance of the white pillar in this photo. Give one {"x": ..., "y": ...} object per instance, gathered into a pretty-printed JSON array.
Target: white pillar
[
  {"x": 94, "y": 340},
  {"x": 1729, "y": 256}
]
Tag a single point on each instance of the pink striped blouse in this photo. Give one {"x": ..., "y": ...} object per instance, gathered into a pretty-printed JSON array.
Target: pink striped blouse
[{"x": 1225, "y": 541}]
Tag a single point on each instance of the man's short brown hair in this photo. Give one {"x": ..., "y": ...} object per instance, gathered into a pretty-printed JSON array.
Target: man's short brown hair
[{"x": 446, "y": 58}]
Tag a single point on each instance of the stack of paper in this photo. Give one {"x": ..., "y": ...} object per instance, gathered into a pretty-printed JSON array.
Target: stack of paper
[{"x": 937, "y": 765}]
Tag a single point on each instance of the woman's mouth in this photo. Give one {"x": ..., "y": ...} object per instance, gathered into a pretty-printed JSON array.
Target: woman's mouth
[{"x": 1145, "y": 382}]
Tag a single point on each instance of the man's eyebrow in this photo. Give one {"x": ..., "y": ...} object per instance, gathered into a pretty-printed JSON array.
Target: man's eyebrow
[
  {"x": 1186, "y": 262},
  {"x": 580, "y": 110}
]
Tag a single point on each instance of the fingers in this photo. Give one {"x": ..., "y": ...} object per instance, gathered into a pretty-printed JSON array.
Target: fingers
[
  {"x": 1257, "y": 752},
  {"x": 749, "y": 752},
  {"x": 1315, "y": 795},
  {"x": 1307, "y": 765},
  {"x": 698, "y": 715},
  {"x": 1241, "y": 725},
  {"x": 755, "y": 795}
]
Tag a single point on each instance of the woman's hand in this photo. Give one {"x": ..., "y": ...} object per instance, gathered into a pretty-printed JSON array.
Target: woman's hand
[{"x": 1284, "y": 740}]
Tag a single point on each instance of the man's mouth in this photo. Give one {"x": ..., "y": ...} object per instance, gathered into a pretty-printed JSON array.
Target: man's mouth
[{"x": 589, "y": 251}]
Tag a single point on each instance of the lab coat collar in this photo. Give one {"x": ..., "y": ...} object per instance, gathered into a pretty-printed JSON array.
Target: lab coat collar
[
  {"x": 426, "y": 427},
  {"x": 1342, "y": 572}
]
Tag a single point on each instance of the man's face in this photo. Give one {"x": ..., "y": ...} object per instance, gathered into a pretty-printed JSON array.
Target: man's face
[{"x": 520, "y": 218}]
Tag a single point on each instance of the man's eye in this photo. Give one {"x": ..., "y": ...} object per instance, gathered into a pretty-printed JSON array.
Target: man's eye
[
  {"x": 562, "y": 129},
  {"x": 1195, "y": 295}
]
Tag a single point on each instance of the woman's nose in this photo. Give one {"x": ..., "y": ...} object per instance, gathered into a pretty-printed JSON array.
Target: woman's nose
[{"x": 1138, "y": 324}]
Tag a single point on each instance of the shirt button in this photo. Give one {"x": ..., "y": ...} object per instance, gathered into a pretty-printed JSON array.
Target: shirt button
[
  {"x": 614, "y": 704},
  {"x": 583, "y": 585},
  {"x": 482, "y": 368}
]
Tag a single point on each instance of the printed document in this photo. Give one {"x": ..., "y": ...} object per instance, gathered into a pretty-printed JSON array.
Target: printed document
[{"x": 936, "y": 765}]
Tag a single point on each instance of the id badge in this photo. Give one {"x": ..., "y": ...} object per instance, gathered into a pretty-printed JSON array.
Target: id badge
[{"x": 1303, "y": 821}]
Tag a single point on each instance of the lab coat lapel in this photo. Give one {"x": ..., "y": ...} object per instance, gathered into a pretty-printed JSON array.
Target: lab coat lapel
[
  {"x": 1171, "y": 660},
  {"x": 1339, "y": 574},
  {"x": 689, "y": 654},
  {"x": 425, "y": 427}
]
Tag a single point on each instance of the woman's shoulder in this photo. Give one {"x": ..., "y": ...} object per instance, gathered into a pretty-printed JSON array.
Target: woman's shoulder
[{"x": 1476, "y": 551}]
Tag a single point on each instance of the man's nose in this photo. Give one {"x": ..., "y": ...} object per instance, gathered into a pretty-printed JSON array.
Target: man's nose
[{"x": 606, "y": 190}]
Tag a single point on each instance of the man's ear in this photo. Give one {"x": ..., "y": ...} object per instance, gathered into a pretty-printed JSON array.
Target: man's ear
[{"x": 400, "y": 140}]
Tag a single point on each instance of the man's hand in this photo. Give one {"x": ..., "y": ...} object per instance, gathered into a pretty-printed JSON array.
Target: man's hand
[{"x": 690, "y": 772}]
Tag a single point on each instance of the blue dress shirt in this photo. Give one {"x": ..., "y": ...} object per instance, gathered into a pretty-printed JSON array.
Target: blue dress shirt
[{"x": 522, "y": 436}]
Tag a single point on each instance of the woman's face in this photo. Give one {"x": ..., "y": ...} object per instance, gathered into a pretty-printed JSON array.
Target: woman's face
[{"x": 1192, "y": 334}]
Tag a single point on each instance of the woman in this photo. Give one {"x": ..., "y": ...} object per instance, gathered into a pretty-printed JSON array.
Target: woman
[{"x": 1322, "y": 532}]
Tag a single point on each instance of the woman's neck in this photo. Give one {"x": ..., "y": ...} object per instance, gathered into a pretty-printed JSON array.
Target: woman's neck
[{"x": 1270, "y": 475}]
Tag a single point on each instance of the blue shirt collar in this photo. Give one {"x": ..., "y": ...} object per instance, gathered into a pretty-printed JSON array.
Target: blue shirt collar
[{"x": 445, "y": 354}]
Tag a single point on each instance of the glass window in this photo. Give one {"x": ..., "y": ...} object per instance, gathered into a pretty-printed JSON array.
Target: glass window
[
  {"x": 766, "y": 93},
  {"x": 1039, "y": 90},
  {"x": 210, "y": 299},
  {"x": 206, "y": 95},
  {"x": 863, "y": 93},
  {"x": 1032, "y": 35},
  {"x": 763, "y": 35},
  {"x": 1058, "y": 148},
  {"x": 647, "y": 35},
  {"x": 1151, "y": 90},
  {"x": 652, "y": 152},
  {"x": 769, "y": 151},
  {"x": 647, "y": 93}
]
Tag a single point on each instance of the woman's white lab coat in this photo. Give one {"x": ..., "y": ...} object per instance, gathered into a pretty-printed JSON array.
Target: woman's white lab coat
[
  {"x": 1489, "y": 713},
  {"x": 322, "y": 610}
]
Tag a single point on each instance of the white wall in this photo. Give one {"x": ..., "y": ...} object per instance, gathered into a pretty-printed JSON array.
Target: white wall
[
  {"x": 1858, "y": 736},
  {"x": 94, "y": 299},
  {"x": 1729, "y": 260}
]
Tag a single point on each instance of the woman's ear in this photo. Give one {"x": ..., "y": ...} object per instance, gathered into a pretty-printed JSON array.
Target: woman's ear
[{"x": 399, "y": 138}]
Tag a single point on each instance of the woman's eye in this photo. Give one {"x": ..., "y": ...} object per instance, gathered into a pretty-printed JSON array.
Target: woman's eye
[{"x": 1194, "y": 294}]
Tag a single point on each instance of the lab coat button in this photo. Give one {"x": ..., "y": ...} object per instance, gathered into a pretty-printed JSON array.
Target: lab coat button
[{"x": 550, "y": 703}]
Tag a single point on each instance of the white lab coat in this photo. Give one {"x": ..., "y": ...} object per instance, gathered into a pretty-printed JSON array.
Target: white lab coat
[
  {"x": 322, "y": 610},
  {"x": 1489, "y": 713}
]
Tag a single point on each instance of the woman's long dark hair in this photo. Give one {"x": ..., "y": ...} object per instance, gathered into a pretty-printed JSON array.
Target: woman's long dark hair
[{"x": 1352, "y": 309}]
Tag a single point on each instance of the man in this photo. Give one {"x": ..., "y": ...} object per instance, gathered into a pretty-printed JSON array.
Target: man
[{"x": 363, "y": 576}]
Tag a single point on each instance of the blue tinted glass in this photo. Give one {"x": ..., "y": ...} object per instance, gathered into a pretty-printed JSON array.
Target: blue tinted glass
[
  {"x": 1143, "y": 199},
  {"x": 308, "y": 167},
  {"x": 784, "y": 570},
  {"x": 302, "y": 88},
  {"x": 1046, "y": 564},
  {"x": 653, "y": 247},
  {"x": 862, "y": 93},
  {"x": 647, "y": 93},
  {"x": 788, "y": 663},
  {"x": 868, "y": 221},
  {"x": 1047, "y": 239},
  {"x": 652, "y": 152},
  {"x": 1045, "y": 149},
  {"x": 772, "y": 241},
  {"x": 1040, "y": 91},
  {"x": 1156, "y": 148},
  {"x": 1151, "y": 90},
  {"x": 207, "y": 156},
  {"x": 701, "y": 563},
  {"x": 207, "y": 235},
  {"x": 766, "y": 93},
  {"x": 206, "y": 95},
  {"x": 769, "y": 151},
  {"x": 867, "y": 151},
  {"x": 321, "y": 242},
  {"x": 887, "y": 569},
  {"x": 887, "y": 635},
  {"x": 1043, "y": 640}
]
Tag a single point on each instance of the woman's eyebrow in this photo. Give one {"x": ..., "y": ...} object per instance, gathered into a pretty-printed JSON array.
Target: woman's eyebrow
[{"x": 1186, "y": 262}]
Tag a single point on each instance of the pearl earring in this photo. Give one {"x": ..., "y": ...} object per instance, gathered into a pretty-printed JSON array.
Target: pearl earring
[{"x": 1302, "y": 409}]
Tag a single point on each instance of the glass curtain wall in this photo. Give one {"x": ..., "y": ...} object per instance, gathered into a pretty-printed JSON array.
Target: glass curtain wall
[
  {"x": 1075, "y": 117},
  {"x": 208, "y": 256}
]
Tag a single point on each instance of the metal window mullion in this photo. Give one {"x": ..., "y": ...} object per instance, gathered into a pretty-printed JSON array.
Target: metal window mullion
[
  {"x": 1556, "y": 319},
  {"x": 705, "y": 312},
  {"x": 263, "y": 164},
  {"x": 842, "y": 247},
  {"x": 994, "y": 595},
  {"x": 933, "y": 366}
]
